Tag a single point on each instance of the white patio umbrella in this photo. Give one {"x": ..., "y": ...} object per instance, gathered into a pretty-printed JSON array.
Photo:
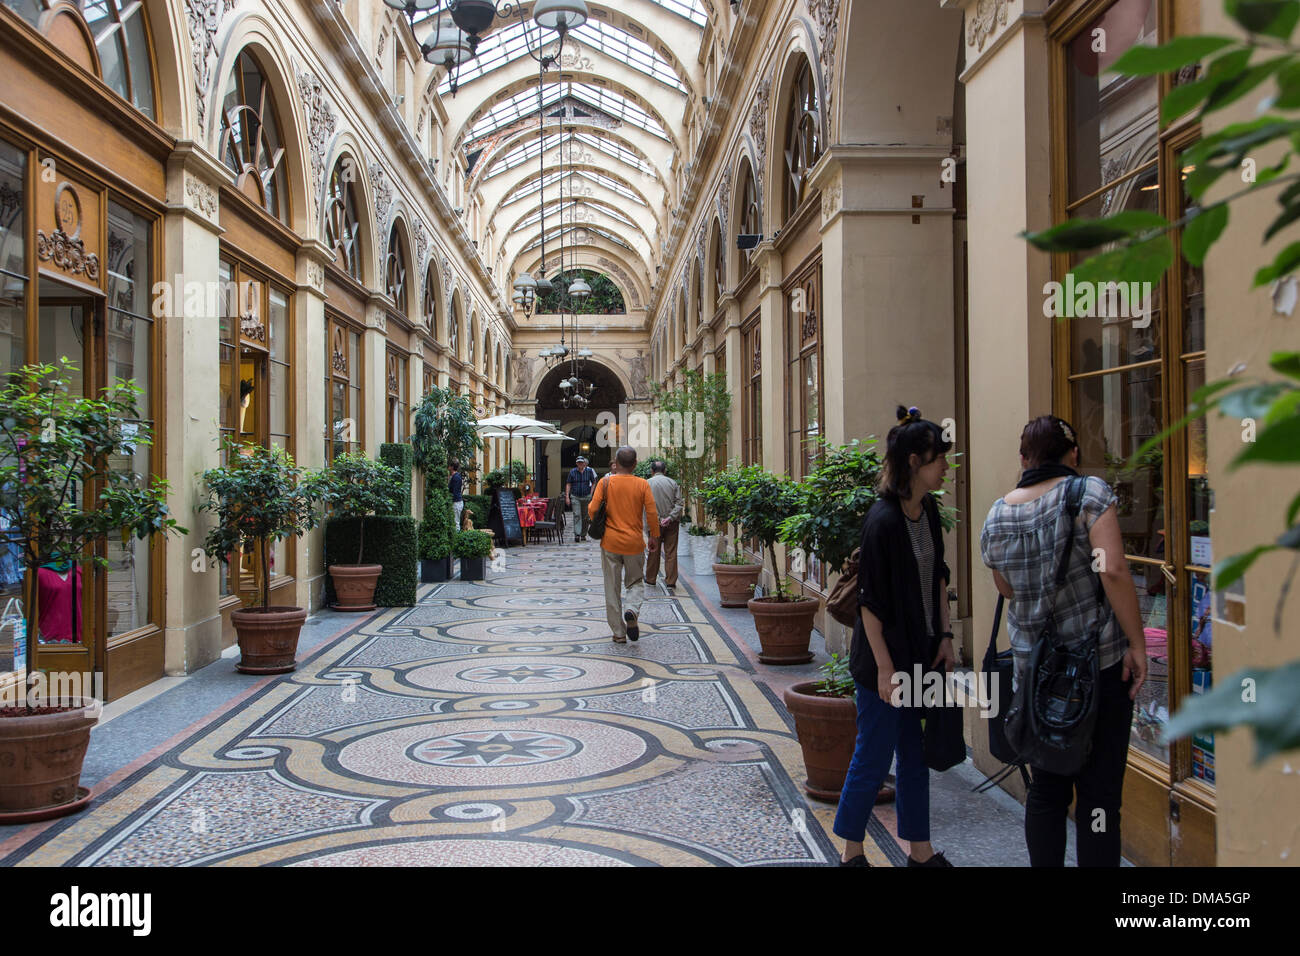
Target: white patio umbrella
[{"x": 509, "y": 425}]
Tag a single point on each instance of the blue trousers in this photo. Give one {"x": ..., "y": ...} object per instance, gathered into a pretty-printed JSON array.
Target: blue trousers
[{"x": 883, "y": 731}]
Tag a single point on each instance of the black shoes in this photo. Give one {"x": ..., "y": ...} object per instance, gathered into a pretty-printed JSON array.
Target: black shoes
[
  {"x": 856, "y": 861},
  {"x": 633, "y": 632},
  {"x": 938, "y": 861}
]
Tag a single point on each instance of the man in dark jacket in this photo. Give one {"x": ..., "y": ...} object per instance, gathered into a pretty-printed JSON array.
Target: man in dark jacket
[{"x": 577, "y": 495}]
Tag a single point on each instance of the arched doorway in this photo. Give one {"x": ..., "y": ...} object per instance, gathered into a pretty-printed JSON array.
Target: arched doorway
[{"x": 554, "y": 459}]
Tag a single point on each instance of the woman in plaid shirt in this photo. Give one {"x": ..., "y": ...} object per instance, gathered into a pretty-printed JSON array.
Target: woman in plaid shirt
[{"x": 1022, "y": 541}]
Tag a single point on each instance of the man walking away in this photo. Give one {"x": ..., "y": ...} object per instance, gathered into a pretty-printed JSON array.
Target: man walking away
[
  {"x": 668, "y": 502},
  {"x": 629, "y": 508},
  {"x": 455, "y": 486},
  {"x": 577, "y": 495}
]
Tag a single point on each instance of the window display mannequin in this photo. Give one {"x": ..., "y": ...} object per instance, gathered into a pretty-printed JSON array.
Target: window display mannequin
[{"x": 58, "y": 587}]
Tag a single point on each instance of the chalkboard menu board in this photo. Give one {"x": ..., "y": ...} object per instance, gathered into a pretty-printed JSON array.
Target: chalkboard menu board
[{"x": 504, "y": 519}]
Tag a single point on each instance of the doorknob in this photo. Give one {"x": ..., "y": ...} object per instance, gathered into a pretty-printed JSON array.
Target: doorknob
[{"x": 1172, "y": 578}]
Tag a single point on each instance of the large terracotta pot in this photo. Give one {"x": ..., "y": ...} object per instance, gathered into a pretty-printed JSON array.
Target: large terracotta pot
[
  {"x": 784, "y": 629},
  {"x": 268, "y": 638},
  {"x": 40, "y": 762},
  {"x": 354, "y": 586},
  {"x": 736, "y": 582},
  {"x": 827, "y": 729}
]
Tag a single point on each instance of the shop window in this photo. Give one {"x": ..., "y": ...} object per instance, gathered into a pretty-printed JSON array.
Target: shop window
[
  {"x": 804, "y": 376},
  {"x": 803, "y": 141},
  {"x": 256, "y": 382},
  {"x": 752, "y": 417},
  {"x": 343, "y": 383},
  {"x": 250, "y": 138},
  {"x": 1125, "y": 376},
  {"x": 399, "y": 407},
  {"x": 122, "y": 55},
  {"x": 342, "y": 225}
]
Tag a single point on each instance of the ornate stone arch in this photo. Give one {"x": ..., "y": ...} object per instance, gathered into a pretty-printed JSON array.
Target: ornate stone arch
[
  {"x": 252, "y": 33},
  {"x": 800, "y": 47},
  {"x": 401, "y": 275}
]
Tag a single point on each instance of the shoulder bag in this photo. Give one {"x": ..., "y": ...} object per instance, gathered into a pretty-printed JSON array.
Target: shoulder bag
[
  {"x": 842, "y": 602},
  {"x": 596, "y": 527},
  {"x": 1053, "y": 712}
]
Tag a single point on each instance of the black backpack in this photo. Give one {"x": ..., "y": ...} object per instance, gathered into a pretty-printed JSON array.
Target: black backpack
[
  {"x": 596, "y": 526},
  {"x": 1053, "y": 712}
]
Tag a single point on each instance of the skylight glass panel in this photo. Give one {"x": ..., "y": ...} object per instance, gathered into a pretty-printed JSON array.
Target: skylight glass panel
[
  {"x": 692, "y": 10},
  {"x": 554, "y": 212},
  {"x": 617, "y": 151}
]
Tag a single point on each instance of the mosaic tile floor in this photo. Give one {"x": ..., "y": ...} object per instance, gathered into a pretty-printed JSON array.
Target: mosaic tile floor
[{"x": 492, "y": 724}]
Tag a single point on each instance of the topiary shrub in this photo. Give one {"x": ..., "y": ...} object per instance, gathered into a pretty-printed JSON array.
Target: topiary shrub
[
  {"x": 390, "y": 541},
  {"x": 471, "y": 544},
  {"x": 402, "y": 457},
  {"x": 439, "y": 520}
]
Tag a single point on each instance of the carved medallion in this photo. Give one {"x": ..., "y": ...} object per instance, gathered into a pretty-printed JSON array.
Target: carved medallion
[{"x": 984, "y": 20}]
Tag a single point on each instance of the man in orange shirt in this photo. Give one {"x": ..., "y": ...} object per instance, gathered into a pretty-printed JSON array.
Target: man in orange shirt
[{"x": 630, "y": 508}]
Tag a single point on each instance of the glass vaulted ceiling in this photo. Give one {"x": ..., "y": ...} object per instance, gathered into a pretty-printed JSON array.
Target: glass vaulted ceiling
[{"x": 631, "y": 165}]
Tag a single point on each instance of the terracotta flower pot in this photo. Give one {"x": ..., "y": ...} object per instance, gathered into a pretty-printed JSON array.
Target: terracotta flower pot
[
  {"x": 40, "y": 761},
  {"x": 736, "y": 583},
  {"x": 827, "y": 729},
  {"x": 354, "y": 586},
  {"x": 268, "y": 638},
  {"x": 784, "y": 629}
]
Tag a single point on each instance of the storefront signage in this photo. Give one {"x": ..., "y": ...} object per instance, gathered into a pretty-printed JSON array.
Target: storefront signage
[{"x": 68, "y": 225}]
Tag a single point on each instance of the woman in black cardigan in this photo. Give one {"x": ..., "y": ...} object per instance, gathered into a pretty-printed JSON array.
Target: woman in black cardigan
[{"x": 902, "y": 591}]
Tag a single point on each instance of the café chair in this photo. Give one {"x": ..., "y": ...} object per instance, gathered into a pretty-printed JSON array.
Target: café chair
[{"x": 552, "y": 525}]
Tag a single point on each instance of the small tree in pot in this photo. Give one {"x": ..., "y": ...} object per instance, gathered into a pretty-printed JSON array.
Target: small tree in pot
[
  {"x": 826, "y": 721},
  {"x": 736, "y": 575},
  {"x": 260, "y": 497},
  {"x": 57, "y": 447},
  {"x": 357, "y": 487},
  {"x": 783, "y": 619}
]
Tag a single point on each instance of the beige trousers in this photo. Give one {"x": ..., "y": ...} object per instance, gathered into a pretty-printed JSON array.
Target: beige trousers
[{"x": 624, "y": 587}]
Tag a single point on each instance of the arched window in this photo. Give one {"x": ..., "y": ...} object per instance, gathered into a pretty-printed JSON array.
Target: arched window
[
  {"x": 431, "y": 300},
  {"x": 487, "y": 356},
  {"x": 719, "y": 265},
  {"x": 395, "y": 270},
  {"x": 803, "y": 142},
  {"x": 118, "y": 31},
  {"x": 469, "y": 340},
  {"x": 453, "y": 329},
  {"x": 342, "y": 227},
  {"x": 751, "y": 222},
  {"x": 699, "y": 297},
  {"x": 250, "y": 138}
]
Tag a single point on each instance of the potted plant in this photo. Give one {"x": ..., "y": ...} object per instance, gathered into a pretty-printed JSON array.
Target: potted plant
[
  {"x": 436, "y": 528},
  {"x": 358, "y": 487},
  {"x": 736, "y": 575},
  {"x": 784, "y": 619},
  {"x": 472, "y": 547},
  {"x": 826, "y": 721},
  {"x": 53, "y": 441},
  {"x": 260, "y": 497}
]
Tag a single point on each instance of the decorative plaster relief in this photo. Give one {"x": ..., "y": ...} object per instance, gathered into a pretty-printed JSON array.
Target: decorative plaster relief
[
  {"x": 984, "y": 21},
  {"x": 202, "y": 197},
  {"x": 205, "y": 18},
  {"x": 321, "y": 123}
]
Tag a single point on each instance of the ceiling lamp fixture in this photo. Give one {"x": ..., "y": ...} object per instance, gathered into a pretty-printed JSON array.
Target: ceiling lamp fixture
[{"x": 457, "y": 36}]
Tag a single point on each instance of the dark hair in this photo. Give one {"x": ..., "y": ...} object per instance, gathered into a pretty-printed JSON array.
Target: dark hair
[
  {"x": 658, "y": 467},
  {"x": 245, "y": 388},
  {"x": 455, "y": 465},
  {"x": 913, "y": 435},
  {"x": 1047, "y": 439},
  {"x": 626, "y": 457}
]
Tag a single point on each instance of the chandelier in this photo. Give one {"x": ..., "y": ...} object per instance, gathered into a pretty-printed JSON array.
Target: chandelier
[{"x": 456, "y": 37}]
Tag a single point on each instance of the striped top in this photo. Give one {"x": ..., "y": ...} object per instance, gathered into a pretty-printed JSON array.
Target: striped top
[{"x": 923, "y": 550}]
